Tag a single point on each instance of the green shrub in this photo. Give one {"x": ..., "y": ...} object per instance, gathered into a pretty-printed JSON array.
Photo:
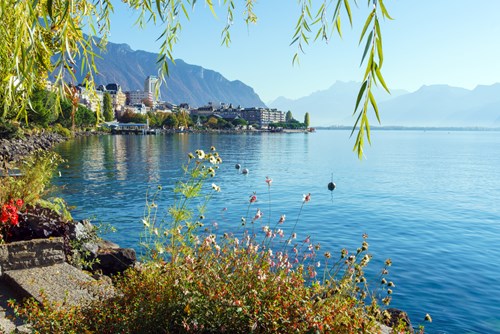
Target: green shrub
[
  {"x": 59, "y": 129},
  {"x": 36, "y": 172}
]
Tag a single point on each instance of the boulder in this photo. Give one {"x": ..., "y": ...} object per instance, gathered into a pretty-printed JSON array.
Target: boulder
[{"x": 113, "y": 260}]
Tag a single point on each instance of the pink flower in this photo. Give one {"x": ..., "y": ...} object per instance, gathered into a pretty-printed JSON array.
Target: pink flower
[
  {"x": 258, "y": 215},
  {"x": 269, "y": 181},
  {"x": 282, "y": 219},
  {"x": 307, "y": 197},
  {"x": 253, "y": 198}
]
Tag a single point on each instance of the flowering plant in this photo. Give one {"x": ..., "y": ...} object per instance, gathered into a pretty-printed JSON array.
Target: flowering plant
[
  {"x": 9, "y": 217},
  {"x": 256, "y": 276}
]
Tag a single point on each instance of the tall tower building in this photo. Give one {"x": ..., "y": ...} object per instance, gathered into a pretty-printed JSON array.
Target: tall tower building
[{"x": 150, "y": 87}]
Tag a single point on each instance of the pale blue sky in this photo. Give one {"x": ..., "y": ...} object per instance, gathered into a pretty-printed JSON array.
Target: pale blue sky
[{"x": 428, "y": 42}]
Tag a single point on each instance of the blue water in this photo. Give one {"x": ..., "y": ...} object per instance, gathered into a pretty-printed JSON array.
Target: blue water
[{"x": 427, "y": 200}]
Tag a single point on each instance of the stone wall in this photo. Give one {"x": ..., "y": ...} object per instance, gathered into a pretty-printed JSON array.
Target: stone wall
[{"x": 31, "y": 253}]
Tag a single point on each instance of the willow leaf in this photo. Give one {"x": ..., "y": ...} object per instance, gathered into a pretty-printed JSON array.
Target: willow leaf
[
  {"x": 360, "y": 95},
  {"x": 317, "y": 35},
  {"x": 374, "y": 105},
  {"x": 381, "y": 79},
  {"x": 49, "y": 10},
  {"x": 369, "y": 66},
  {"x": 348, "y": 10},
  {"x": 337, "y": 24},
  {"x": 379, "y": 52},
  {"x": 367, "y": 46},
  {"x": 367, "y": 127},
  {"x": 158, "y": 7},
  {"x": 385, "y": 13},
  {"x": 367, "y": 23},
  {"x": 356, "y": 123}
]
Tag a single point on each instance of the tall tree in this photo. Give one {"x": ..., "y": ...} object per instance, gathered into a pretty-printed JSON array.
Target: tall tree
[
  {"x": 306, "y": 120},
  {"x": 288, "y": 116},
  {"x": 108, "y": 111}
]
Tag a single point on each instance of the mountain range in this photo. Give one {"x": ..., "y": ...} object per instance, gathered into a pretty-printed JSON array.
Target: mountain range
[
  {"x": 186, "y": 83},
  {"x": 429, "y": 106}
]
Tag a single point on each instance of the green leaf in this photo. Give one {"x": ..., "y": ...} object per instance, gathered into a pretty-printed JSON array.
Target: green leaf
[
  {"x": 295, "y": 40},
  {"x": 379, "y": 52},
  {"x": 367, "y": 127},
  {"x": 385, "y": 13},
  {"x": 381, "y": 79},
  {"x": 185, "y": 11},
  {"x": 337, "y": 24},
  {"x": 367, "y": 46},
  {"x": 360, "y": 95},
  {"x": 158, "y": 7},
  {"x": 348, "y": 9},
  {"x": 374, "y": 105},
  {"x": 320, "y": 10},
  {"x": 210, "y": 5},
  {"x": 356, "y": 123},
  {"x": 317, "y": 35},
  {"x": 308, "y": 12},
  {"x": 49, "y": 10},
  {"x": 369, "y": 66},
  {"x": 367, "y": 23}
]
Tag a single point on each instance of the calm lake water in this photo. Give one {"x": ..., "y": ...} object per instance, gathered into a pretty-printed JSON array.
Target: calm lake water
[{"x": 427, "y": 200}]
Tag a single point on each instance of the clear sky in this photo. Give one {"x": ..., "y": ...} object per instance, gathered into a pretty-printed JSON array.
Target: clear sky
[{"x": 428, "y": 42}]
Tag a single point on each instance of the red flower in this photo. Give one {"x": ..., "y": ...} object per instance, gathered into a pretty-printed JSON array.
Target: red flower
[
  {"x": 19, "y": 203},
  {"x": 253, "y": 198}
]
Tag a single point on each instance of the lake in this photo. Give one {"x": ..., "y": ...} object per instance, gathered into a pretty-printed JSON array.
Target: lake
[{"x": 429, "y": 200}]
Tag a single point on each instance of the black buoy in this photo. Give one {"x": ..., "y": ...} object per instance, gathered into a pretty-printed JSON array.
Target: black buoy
[
  {"x": 237, "y": 166},
  {"x": 245, "y": 171},
  {"x": 331, "y": 186}
]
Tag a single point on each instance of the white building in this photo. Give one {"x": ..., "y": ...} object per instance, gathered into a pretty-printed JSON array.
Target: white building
[
  {"x": 138, "y": 97},
  {"x": 150, "y": 87}
]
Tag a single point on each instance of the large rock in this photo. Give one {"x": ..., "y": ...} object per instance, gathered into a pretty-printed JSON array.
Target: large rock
[{"x": 112, "y": 260}]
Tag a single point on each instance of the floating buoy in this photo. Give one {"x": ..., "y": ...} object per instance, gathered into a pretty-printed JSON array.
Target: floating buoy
[
  {"x": 244, "y": 171},
  {"x": 331, "y": 186},
  {"x": 237, "y": 166}
]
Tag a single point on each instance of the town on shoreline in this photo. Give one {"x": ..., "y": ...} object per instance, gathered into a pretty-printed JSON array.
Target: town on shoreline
[{"x": 144, "y": 111}]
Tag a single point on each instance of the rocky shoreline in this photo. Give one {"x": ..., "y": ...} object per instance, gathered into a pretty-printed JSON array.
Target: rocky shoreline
[{"x": 13, "y": 150}]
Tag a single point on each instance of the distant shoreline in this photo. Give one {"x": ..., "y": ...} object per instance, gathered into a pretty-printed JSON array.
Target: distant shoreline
[{"x": 406, "y": 128}]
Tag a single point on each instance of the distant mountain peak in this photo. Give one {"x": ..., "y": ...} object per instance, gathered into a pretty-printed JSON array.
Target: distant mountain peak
[
  {"x": 187, "y": 83},
  {"x": 430, "y": 105}
]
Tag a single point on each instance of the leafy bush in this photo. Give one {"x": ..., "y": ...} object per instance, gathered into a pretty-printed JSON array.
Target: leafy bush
[
  {"x": 42, "y": 110},
  {"x": 59, "y": 129},
  {"x": 36, "y": 172},
  {"x": 255, "y": 279}
]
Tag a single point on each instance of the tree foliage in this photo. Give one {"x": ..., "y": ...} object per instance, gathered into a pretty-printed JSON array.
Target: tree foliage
[
  {"x": 107, "y": 107},
  {"x": 46, "y": 36},
  {"x": 288, "y": 116},
  {"x": 129, "y": 116},
  {"x": 307, "y": 120}
]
